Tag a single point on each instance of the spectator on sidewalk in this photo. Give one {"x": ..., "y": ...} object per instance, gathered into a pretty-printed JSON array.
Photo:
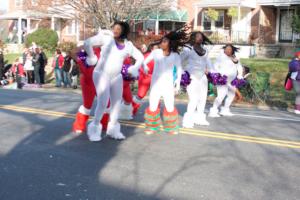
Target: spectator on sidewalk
[
  {"x": 28, "y": 67},
  {"x": 18, "y": 72},
  {"x": 44, "y": 62},
  {"x": 67, "y": 69},
  {"x": 36, "y": 62},
  {"x": 294, "y": 69},
  {"x": 58, "y": 63},
  {"x": 1, "y": 65},
  {"x": 74, "y": 73}
]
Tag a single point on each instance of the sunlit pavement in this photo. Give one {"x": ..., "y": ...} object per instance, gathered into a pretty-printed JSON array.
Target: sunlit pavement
[{"x": 253, "y": 155}]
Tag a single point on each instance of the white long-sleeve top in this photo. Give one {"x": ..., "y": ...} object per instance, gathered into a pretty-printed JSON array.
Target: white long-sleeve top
[
  {"x": 225, "y": 66},
  {"x": 112, "y": 58},
  {"x": 163, "y": 68},
  {"x": 196, "y": 65}
]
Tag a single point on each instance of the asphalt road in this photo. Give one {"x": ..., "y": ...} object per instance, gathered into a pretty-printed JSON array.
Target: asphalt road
[{"x": 253, "y": 155}]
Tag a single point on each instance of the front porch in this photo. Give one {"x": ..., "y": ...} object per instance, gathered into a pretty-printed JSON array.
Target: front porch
[
  {"x": 225, "y": 28},
  {"x": 22, "y": 23}
]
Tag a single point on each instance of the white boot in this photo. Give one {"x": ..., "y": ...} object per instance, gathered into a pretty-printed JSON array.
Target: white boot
[
  {"x": 226, "y": 112},
  {"x": 213, "y": 112},
  {"x": 125, "y": 112},
  {"x": 200, "y": 119},
  {"x": 94, "y": 132},
  {"x": 187, "y": 121},
  {"x": 297, "y": 112},
  {"x": 114, "y": 131}
]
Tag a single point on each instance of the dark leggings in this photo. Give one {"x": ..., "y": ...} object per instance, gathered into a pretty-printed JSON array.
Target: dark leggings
[{"x": 30, "y": 76}]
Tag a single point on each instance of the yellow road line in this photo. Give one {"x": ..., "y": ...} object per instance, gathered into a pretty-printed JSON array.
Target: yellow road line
[{"x": 195, "y": 132}]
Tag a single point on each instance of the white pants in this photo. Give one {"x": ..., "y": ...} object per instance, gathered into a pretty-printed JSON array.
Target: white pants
[
  {"x": 108, "y": 89},
  {"x": 159, "y": 90},
  {"x": 197, "y": 91},
  {"x": 224, "y": 91}
]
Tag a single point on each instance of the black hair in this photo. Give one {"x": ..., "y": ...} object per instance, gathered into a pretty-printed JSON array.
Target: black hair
[
  {"x": 125, "y": 29},
  {"x": 177, "y": 39},
  {"x": 234, "y": 49},
  {"x": 205, "y": 41}
]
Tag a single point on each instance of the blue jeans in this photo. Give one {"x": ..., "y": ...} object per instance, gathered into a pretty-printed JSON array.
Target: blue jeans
[
  {"x": 58, "y": 77},
  {"x": 67, "y": 79}
]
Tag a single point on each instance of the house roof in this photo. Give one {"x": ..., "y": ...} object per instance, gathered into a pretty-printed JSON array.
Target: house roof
[
  {"x": 23, "y": 14},
  {"x": 226, "y": 3}
]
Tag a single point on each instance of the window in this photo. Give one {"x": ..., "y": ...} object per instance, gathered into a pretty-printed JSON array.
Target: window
[
  {"x": 71, "y": 27},
  {"x": 210, "y": 25},
  {"x": 219, "y": 23},
  {"x": 206, "y": 22},
  {"x": 18, "y": 3},
  {"x": 285, "y": 28}
]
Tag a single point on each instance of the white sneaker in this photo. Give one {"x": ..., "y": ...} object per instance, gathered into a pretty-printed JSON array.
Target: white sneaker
[
  {"x": 114, "y": 131},
  {"x": 213, "y": 113},
  {"x": 94, "y": 132},
  {"x": 200, "y": 119},
  {"x": 125, "y": 112},
  {"x": 297, "y": 112},
  {"x": 226, "y": 112},
  {"x": 188, "y": 121}
]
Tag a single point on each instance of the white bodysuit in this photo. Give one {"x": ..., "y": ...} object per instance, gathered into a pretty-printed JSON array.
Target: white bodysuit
[
  {"x": 162, "y": 84},
  {"x": 225, "y": 66},
  {"x": 108, "y": 79},
  {"x": 196, "y": 65}
]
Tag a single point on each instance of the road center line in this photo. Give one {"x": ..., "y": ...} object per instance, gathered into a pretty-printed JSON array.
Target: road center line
[{"x": 195, "y": 132}]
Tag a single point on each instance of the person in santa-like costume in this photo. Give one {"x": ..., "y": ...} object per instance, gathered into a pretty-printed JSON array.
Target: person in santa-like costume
[
  {"x": 107, "y": 76},
  {"x": 197, "y": 65},
  {"x": 88, "y": 93}
]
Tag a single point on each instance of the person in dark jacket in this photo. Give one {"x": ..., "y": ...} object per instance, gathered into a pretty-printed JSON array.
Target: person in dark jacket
[
  {"x": 44, "y": 62},
  {"x": 67, "y": 70},
  {"x": 36, "y": 61},
  {"x": 1, "y": 65},
  {"x": 294, "y": 69}
]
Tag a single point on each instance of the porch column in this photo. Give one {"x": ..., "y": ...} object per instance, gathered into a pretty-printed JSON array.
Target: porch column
[
  {"x": 173, "y": 26},
  {"x": 77, "y": 30},
  {"x": 19, "y": 31},
  {"x": 52, "y": 23},
  {"x": 28, "y": 25},
  {"x": 196, "y": 18},
  {"x": 156, "y": 26},
  {"x": 277, "y": 25}
]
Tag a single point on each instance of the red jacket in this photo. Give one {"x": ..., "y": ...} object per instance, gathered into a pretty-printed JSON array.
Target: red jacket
[
  {"x": 60, "y": 61},
  {"x": 18, "y": 68}
]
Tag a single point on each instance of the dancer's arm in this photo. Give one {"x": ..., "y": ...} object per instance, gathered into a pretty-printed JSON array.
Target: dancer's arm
[
  {"x": 139, "y": 58},
  {"x": 149, "y": 58},
  {"x": 178, "y": 66},
  {"x": 98, "y": 40}
]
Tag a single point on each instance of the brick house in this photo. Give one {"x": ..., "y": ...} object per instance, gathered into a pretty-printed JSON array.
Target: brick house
[
  {"x": 266, "y": 23},
  {"x": 25, "y": 16}
]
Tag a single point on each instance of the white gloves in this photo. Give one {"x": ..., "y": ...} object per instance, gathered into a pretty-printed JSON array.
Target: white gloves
[
  {"x": 92, "y": 60},
  {"x": 133, "y": 71}
]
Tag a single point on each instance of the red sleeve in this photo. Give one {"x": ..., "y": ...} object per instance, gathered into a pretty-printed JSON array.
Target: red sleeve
[
  {"x": 61, "y": 61},
  {"x": 21, "y": 69}
]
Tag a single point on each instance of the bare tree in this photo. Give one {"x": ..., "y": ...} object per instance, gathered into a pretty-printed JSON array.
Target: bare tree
[{"x": 102, "y": 13}]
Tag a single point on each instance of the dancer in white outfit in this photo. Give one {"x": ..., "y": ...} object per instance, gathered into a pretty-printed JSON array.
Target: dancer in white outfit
[
  {"x": 197, "y": 65},
  {"x": 162, "y": 84},
  {"x": 107, "y": 75},
  {"x": 226, "y": 64}
]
